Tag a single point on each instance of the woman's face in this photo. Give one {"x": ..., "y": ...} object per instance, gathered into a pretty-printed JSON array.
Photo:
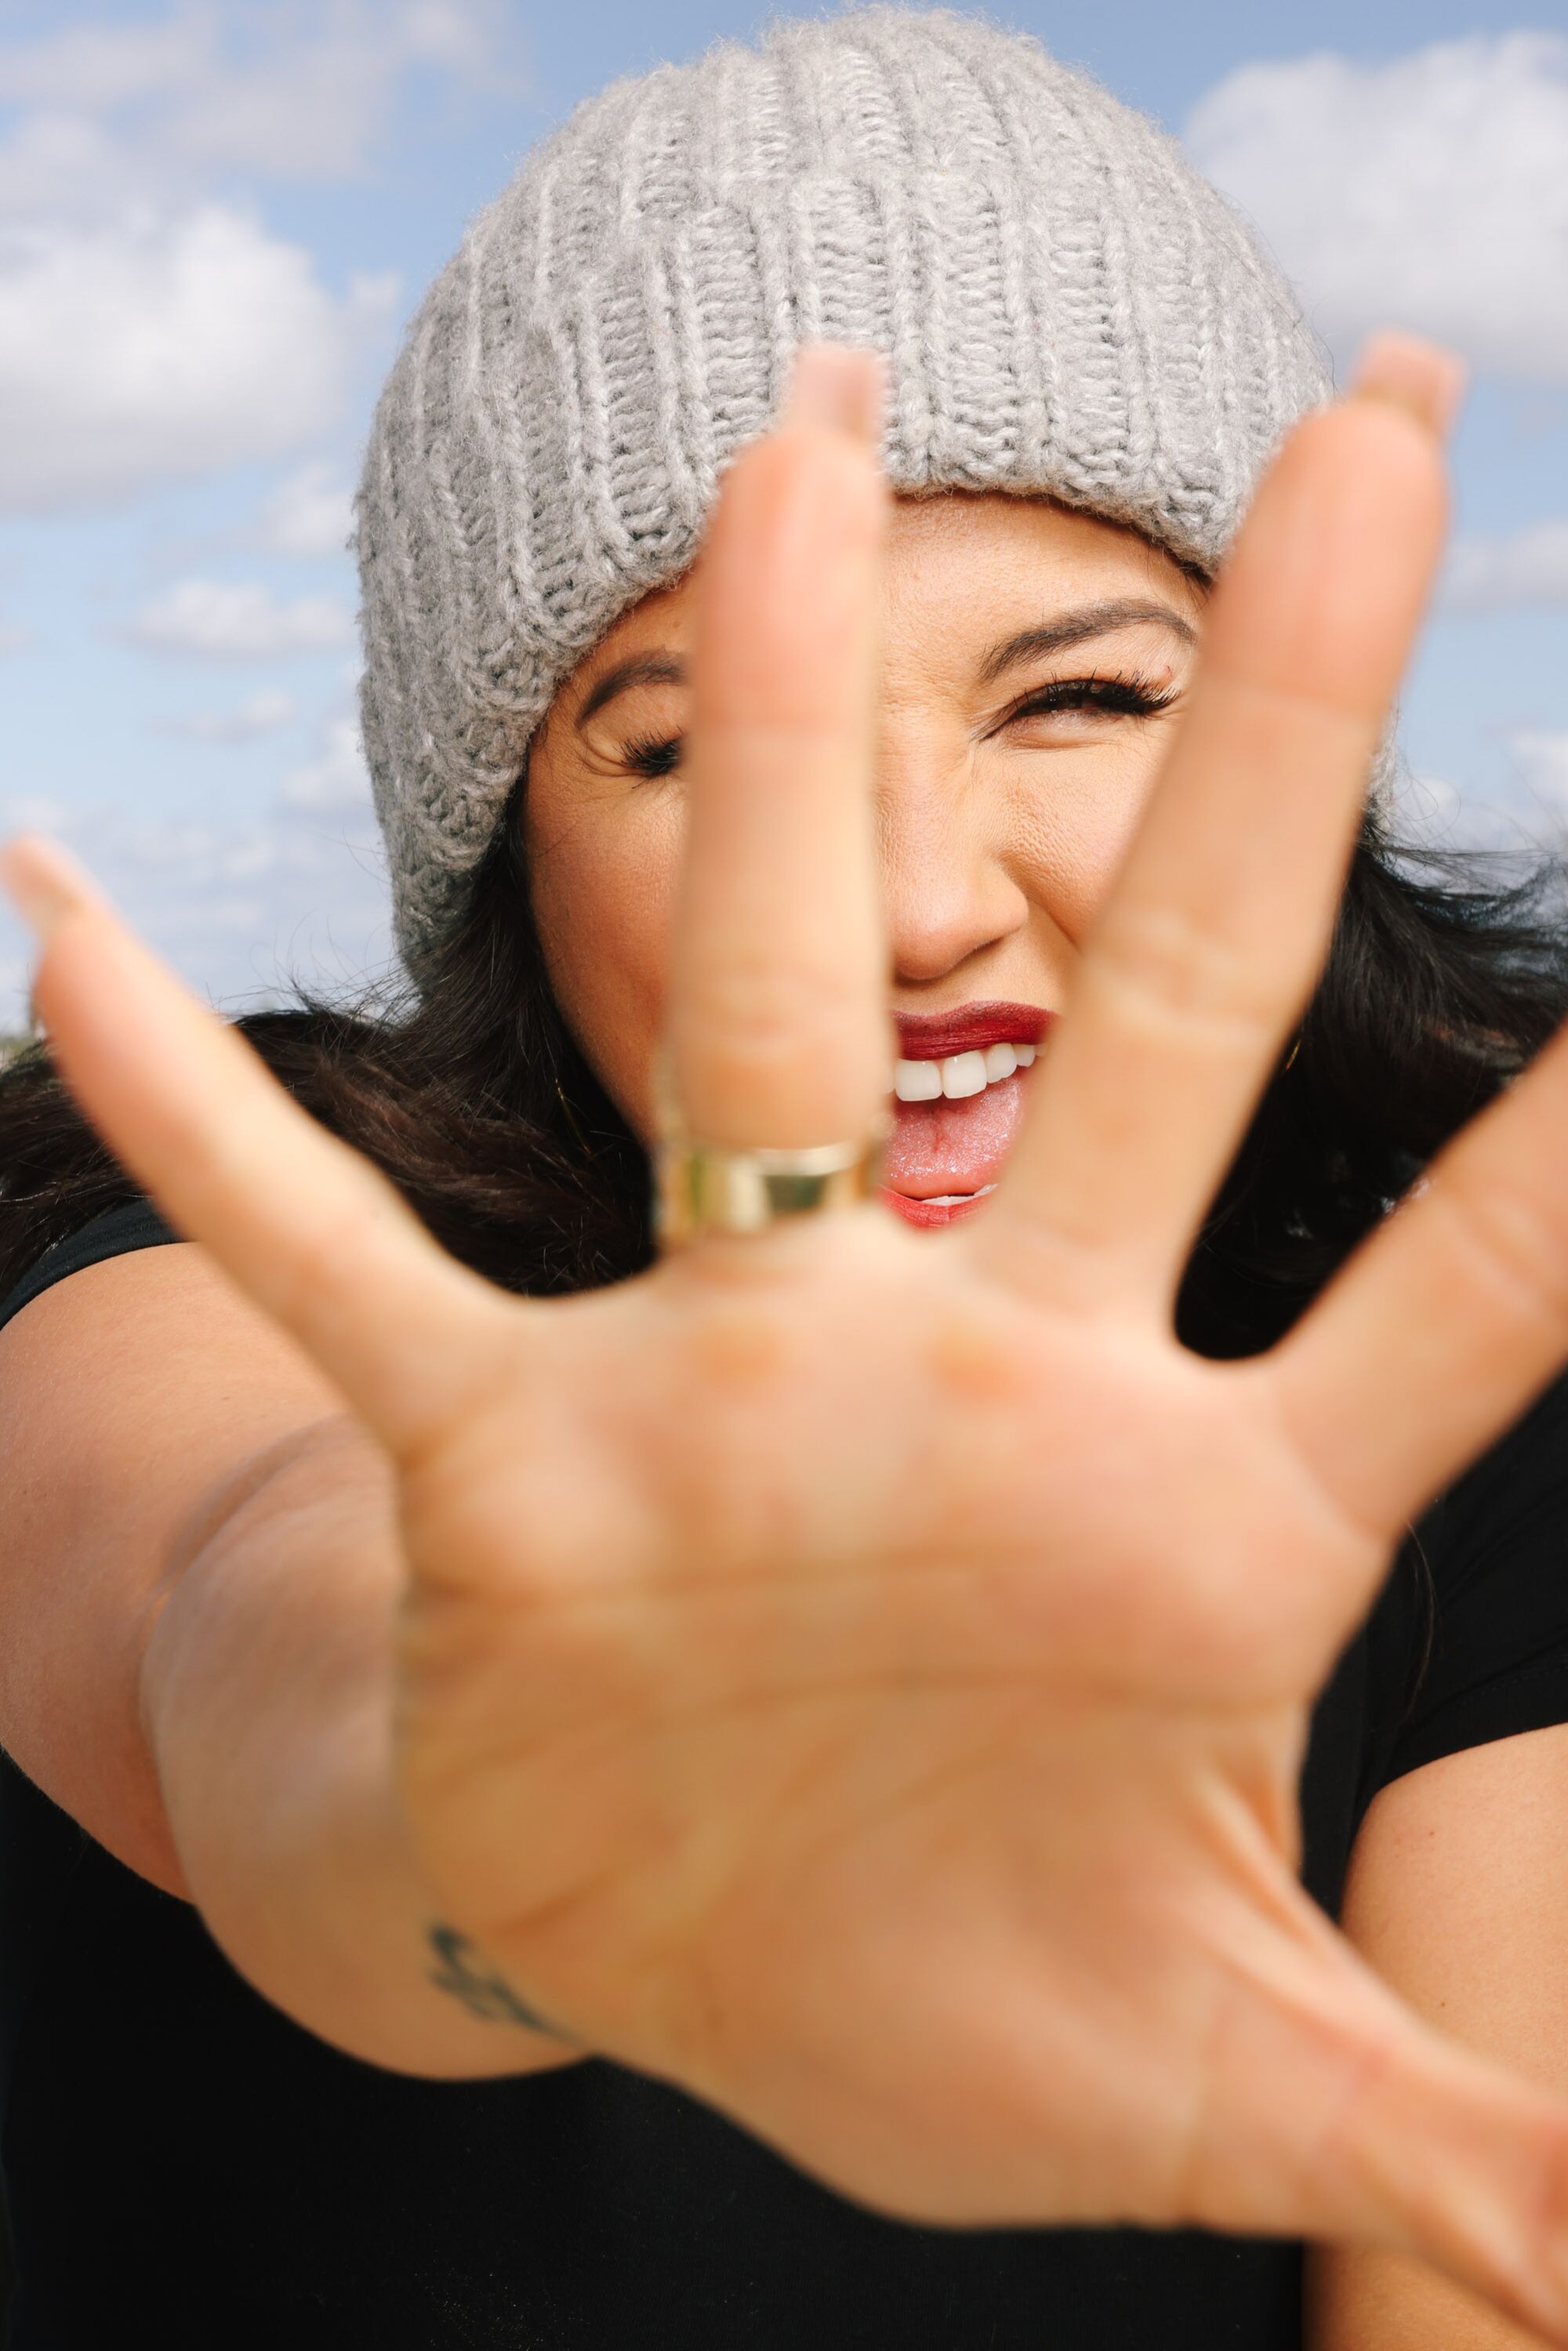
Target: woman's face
[{"x": 1035, "y": 665}]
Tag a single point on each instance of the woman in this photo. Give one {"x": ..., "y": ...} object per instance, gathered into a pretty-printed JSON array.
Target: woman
[{"x": 760, "y": 1805}]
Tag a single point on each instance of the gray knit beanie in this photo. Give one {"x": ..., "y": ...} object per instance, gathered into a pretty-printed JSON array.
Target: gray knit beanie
[{"x": 1066, "y": 305}]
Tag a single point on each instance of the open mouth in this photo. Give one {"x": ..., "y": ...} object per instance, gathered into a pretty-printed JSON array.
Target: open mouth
[{"x": 958, "y": 1096}]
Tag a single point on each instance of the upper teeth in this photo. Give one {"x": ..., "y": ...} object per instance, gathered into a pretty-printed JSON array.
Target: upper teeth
[{"x": 960, "y": 1074}]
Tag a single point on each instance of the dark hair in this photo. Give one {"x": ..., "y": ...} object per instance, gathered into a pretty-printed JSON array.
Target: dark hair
[
  {"x": 478, "y": 1103},
  {"x": 474, "y": 1100}
]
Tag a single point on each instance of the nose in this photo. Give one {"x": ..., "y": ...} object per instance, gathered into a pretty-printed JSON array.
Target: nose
[{"x": 948, "y": 894}]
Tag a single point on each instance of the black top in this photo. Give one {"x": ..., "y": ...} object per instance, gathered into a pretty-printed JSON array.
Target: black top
[{"x": 185, "y": 2164}]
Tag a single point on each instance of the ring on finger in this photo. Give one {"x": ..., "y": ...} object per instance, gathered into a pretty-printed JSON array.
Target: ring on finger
[{"x": 704, "y": 1187}]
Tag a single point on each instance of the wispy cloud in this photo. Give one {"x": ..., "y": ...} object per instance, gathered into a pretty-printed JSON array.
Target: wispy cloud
[
  {"x": 235, "y": 908},
  {"x": 1519, "y": 566},
  {"x": 1523, "y": 813},
  {"x": 258, "y": 714},
  {"x": 1542, "y": 757},
  {"x": 309, "y": 513},
  {"x": 336, "y": 780},
  {"x": 283, "y": 89},
  {"x": 238, "y": 621},
  {"x": 1428, "y": 192}
]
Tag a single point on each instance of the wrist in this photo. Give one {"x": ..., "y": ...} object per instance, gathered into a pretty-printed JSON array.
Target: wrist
[{"x": 268, "y": 1699}]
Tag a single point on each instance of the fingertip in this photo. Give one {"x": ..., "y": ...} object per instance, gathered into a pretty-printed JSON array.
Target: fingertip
[
  {"x": 1368, "y": 433},
  {"x": 839, "y": 387},
  {"x": 43, "y": 881},
  {"x": 1427, "y": 380}
]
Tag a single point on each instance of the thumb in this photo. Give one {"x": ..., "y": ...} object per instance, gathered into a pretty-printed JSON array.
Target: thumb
[
  {"x": 1336, "y": 2112},
  {"x": 310, "y": 1231}
]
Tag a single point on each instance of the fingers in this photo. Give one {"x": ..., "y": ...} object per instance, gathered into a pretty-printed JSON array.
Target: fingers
[
  {"x": 304, "y": 1226},
  {"x": 778, "y": 1028},
  {"x": 1431, "y": 2151},
  {"x": 1212, "y": 937},
  {"x": 1445, "y": 1324},
  {"x": 1328, "y": 2110}
]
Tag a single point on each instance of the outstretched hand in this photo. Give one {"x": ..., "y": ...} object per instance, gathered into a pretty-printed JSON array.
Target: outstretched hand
[{"x": 863, "y": 1676}]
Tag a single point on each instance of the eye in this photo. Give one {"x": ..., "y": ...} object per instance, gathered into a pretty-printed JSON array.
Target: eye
[
  {"x": 653, "y": 755},
  {"x": 1122, "y": 698}
]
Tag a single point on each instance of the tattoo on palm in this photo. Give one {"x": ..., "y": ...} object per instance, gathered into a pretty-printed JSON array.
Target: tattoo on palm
[{"x": 484, "y": 1993}]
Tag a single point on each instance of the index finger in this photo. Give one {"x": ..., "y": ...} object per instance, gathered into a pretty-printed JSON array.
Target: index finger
[{"x": 306, "y": 1226}]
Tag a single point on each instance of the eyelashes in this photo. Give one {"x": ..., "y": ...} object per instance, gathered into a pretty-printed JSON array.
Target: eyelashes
[
  {"x": 1131, "y": 697},
  {"x": 652, "y": 755}
]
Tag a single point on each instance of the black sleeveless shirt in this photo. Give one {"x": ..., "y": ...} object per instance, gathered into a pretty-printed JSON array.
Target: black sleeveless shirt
[{"x": 185, "y": 2165}]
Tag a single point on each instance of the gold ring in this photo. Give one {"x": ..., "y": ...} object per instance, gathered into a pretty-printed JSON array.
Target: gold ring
[
  {"x": 711, "y": 1188},
  {"x": 702, "y": 1187}
]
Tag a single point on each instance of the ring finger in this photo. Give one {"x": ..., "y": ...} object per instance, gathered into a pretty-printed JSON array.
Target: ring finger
[{"x": 1210, "y": 941}]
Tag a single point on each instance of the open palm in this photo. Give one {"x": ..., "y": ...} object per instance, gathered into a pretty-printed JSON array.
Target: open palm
[{"x": 860, "y": 1675}]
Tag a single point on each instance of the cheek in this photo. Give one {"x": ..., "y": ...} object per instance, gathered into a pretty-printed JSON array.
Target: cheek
[
  {"x": 1072, "y": 830},
  {"x": 604, "y": 876}
]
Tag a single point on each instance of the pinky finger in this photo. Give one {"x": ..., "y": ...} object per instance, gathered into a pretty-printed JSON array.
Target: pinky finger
[{"x": 312, "y": 1232}]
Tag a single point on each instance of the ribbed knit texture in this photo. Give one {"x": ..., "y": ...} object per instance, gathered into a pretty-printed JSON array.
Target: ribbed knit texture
[{"x": 1065, "y": 304}]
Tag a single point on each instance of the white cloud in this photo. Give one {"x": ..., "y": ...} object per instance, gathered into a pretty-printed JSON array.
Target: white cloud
[
  {"x": 238, "y": 621},
  {"x": 33, "y": 812},
  {"x": 259, "y": 713},
  {"x": 282, "y": 87},
  {"x": 1520, "y": 567},
  {"x": 1431, "y": 811},
  {"x": 150, "y": 349},
  {"x": 1542, "y": 761},
  {"x": 98, "y": 67},
  {"x": 154, "y": 328},
  {"x": 1521, "y": 816},
  {"x": 14, "y": 638},
  {"x": 336, "y": 780},
  {"x": 310, "y": 513},
  {"x": 13, "y": 995},
  {"x": 64, "y": 170},
  {"x": 235, "y": 908},
  {"x": 1424, "y": 800},
  {"x": 1429, "y": 193}
]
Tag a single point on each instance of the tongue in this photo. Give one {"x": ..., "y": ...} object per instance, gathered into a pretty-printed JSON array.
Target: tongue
[{"x": 952, "y": 1146}]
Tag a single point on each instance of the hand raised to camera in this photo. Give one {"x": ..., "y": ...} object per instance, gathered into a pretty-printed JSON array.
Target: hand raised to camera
[{"x": 863, "y": 1676}]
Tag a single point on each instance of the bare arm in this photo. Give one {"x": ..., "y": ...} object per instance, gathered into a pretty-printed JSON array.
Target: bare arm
[
  {"x": 266, "y": 1696},
  {"x": 199, "y": 1570},
  {"x": 1458, "y": 1893}
]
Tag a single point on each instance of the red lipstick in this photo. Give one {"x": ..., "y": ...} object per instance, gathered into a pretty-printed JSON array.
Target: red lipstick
[
  {"x": 933, "y": 1036},
  {"x": 945, "y": 1154}
]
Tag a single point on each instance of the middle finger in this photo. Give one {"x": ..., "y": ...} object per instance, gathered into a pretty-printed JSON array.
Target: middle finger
[{"x": 779, "y": 1032}]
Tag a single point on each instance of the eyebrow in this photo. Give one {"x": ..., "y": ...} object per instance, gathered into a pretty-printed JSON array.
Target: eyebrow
[
  {"x": 1075, "y": 628},
  {"x": 642, "y": 669}
]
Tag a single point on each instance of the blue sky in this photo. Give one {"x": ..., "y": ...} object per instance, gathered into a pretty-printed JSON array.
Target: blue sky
[{"x": 216, "y": 214}]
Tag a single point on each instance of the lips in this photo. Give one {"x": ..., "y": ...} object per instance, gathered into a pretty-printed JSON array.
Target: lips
[
  {"x": 933, "y": 1036},
  {"x": 944, "y": 1147}
]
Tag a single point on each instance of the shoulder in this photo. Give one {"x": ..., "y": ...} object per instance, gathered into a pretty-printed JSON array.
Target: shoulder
[
  {"x": 131, "y": 1393},
  {"x": 130, "y": 1225},
  {"x": 1488, "y": 1561}
]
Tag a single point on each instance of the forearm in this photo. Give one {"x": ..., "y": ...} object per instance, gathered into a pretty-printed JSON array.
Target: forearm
[{"x": 267, "y": 1701}]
